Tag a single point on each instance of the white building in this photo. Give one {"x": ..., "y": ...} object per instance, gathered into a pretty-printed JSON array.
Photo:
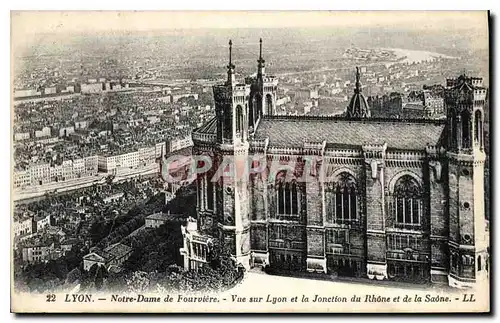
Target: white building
[
  {"x": 22, "y": 178},
  {"x": 195, "y": 249},
  {"x": 25, "y": 226},
  {"x": 45, "y": 132},
  {"x": 79, "y": 168},
  {"x": 157, "y": 219},
  {"x": 21, "y": 136},
  {"x": 180, "y": 143},
  {"x": 91, "y": 164},
  {"x": 44, "y": 221},
  {"x": 37, "y": 252},
  {"x": 114, "y": 255},
  {"x": 22, "y": 93},
  {"x": 40, "y": 174},
  {"x": 66, "y": 131}
]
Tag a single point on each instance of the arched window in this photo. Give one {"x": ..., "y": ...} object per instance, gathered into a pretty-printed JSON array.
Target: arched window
[
  {"x": 210, "y": 193},
  {"x": 478, "y": 121},
  {"x": 287, "y": 197},
  {"x": 454, "y": 262},
  {"x": 345, "y": 198},
  {"x": 408, "y": 200},
  {"x": 251, "y": 111},
  {"x": 269, "y": 104},
  {"x": 466, "y": 133},
  {"x": 239, "y": 119},
  {"x": 479, "y": 263},
  {"x": 257, "y": 107},
  {"x": 453, "y": 128}
]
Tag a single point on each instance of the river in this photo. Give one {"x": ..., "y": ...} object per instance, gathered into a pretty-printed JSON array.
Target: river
[{"x": 416, "y": 56}]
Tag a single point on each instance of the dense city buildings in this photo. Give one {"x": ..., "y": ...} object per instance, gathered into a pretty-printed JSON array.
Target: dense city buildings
[{"x": 354, "y": 195}]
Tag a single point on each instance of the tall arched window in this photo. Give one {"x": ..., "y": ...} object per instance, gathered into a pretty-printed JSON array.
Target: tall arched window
[
  {"x": 269, "y": 104},
  {"x": 479, "y": 265},
  {"x": 478, "y": 122},
  {"x": 466, "y": 133},
  {"x": 408, "y": 202},
  {"x": 345, "y": 198},
  {"x": 287, "y": 197},
  {"x": 210, "y": 193},
  {"x": 239, "y": 119},
  {"x": 454, "y": 262},
  {"x": 257, "y": 107},
  {"x": 453, "y": 128},
  {"x": 251, "y": 111}
]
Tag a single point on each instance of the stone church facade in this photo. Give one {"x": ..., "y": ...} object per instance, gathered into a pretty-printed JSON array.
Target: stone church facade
[{"x": 383, "y": 198}]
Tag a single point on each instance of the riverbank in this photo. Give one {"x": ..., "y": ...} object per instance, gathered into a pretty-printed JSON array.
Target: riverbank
[
  {"x": 416, "y": 56},
  {"x": 32, "y": 193}
]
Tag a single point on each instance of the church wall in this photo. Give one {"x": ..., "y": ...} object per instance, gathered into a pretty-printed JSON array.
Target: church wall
[
  {"x": 257, "y": 199},
  {"x": 466, "y": 188},
  {"x": 314, "y": 202},
  {"x": 357, "y": 240},
  {"x": 374, "y": 204},
  {"x": 244, "y": 203},
  {"x": 271, "y": 200},
  {"x": 376, "y": 247},
  {"x": 229, "y": 241},
  {"x": 439, "y": 223},
  {"x": 453, "y": 203},
  {"x": 244, "y": 242},
  {"x": 350, "y": 258},
  {"x": 375, "y": 236},
  {"x": 228, "y": 206},
  {"x": 258, "y": 236},
  {"x": 315, "y": 242},
  {"x": 438, "y": 204}
]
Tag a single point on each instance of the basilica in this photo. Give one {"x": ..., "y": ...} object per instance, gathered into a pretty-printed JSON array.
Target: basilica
[{"x": 401, "y": 199}]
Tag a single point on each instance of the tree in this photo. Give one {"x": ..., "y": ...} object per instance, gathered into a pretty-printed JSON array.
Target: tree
[
  {"x": 101, "y": 274},
  {"x": 73, "y": 276},
  {"x": 138, "y": 282},
  {"x": 93, "y": 270}
]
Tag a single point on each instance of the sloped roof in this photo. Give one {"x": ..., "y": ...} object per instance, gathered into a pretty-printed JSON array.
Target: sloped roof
[
  {"x": 117, "y": 250},
  {"x": 398, "y": 134},
  {"x": 93, "y": 256},
  {"x": 358, "y": 106},
  {"x": 210, "y": 127},
  {"x": 159, "y": 216}
]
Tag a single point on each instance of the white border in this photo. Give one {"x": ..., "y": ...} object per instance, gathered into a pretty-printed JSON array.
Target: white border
[{"x": 190, "y": 5}]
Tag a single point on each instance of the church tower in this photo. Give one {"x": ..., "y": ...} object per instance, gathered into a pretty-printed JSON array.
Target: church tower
[
  {"x": 468, "y": 240},
  {"x": 263, "y": 92},
  {"x": 358, "y": 106},
  {"x": 232, "y": 224}
]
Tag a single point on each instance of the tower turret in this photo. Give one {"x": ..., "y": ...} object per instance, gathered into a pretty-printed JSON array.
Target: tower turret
[
  {"x": 231, "y": 107},
  {"x": 261, "y": 66},
  {"x": 358, "y": 106},
  {"x": 231, "y": 79},
  {"x": 468, "y": 242},
  {"x": 232, "y": 224}
]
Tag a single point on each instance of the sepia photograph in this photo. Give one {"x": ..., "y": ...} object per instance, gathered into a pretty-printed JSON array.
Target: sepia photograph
[{"x": 250, "y": 161}]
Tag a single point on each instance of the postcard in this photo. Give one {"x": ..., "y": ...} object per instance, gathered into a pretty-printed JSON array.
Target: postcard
[{"x": 260, "y": 161}]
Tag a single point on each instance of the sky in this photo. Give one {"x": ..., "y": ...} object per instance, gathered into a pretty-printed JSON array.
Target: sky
[
  {"x": 31, "y": 23},
  {"x": 29, "y": 27}
]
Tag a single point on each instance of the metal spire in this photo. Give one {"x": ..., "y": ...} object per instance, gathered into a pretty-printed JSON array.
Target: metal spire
[
  {"x": 260, "y": 51},
  {"x": 261, "y": 62},
  {"x": 358, "y": 85},
  {"x": 230, "y": 66}
]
